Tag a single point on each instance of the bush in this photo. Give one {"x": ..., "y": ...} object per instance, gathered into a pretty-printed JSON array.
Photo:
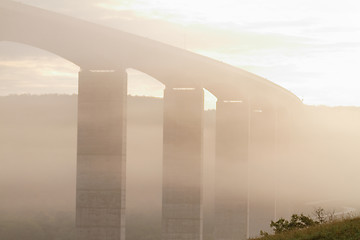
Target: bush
[
  {"x": 300, "y": 221},
  {"x": 296, "y": 222}
]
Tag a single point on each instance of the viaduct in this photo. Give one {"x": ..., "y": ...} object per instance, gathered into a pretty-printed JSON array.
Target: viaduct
[{"x": 103, "y": 55}]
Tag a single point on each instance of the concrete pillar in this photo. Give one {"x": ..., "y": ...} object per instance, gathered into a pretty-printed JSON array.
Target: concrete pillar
[
  {"x": 283, "y": 164},
  {"x": 182, "y": 164},
  {"x": 231, "y": 193},
  {"x": 100, "y": 187},
  {"x": 293, "y": 139},
  {"x": 262, "y": 186}
]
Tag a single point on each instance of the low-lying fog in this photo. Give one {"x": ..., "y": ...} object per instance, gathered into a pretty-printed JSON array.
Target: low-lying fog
[{"x": 316, "y": 163}]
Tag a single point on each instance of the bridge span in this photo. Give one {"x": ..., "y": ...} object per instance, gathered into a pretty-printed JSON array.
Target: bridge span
[{"x": 103, "y": 55}]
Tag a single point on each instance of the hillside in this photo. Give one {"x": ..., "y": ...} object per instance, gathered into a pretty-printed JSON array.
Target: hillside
[{"x": 348, "y": 229}]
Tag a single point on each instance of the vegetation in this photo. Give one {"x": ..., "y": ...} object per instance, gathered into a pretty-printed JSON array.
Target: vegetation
[
  {"x": 348, "y": 229},
  {"x": 300, "y": 221},
  {"x": 296, "y": 222},
  {"x": 323, "y": 227}
]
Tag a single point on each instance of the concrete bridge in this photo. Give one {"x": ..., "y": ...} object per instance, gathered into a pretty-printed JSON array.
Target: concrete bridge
[{"x": 103, "y": 55}]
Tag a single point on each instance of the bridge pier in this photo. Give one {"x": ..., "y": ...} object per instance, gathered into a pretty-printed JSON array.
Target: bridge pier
[
  {"x": 262, "y": 184},
  {"x": 182, "y": 164},
  {"x": 101, "y": 153},
  {"x": 284, "y": 160},
  {"x": 231, "y": 193}
]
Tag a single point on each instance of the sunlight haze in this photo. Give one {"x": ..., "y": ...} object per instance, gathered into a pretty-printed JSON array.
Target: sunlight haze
[
  {"x": 178, "y": 119},
  {"x": 308, "y": 47}
]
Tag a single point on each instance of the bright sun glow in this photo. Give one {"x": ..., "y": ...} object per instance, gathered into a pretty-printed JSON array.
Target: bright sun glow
[
  {"x": 317, "y": 41},
  {"x": 180, "y": 11}
]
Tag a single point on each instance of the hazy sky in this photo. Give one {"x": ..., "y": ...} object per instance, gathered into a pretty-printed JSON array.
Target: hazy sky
[{"x": 311, "y": 47}]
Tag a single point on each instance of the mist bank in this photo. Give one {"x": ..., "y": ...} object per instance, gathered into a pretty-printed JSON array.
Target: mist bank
[{"x": 38, "y": 162}]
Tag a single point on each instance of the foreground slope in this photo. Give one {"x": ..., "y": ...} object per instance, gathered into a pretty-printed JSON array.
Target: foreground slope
[{"x": 348, "y": 229}]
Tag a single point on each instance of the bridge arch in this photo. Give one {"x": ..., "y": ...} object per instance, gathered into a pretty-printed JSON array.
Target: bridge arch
[
  {"x": 54, "y": 74},
  {"x": 49, "y": 141},
  {"x": 91, "y": 46}
]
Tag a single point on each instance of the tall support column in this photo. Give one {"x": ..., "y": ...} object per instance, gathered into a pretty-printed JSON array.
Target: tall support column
[
  {"x": 100, "y": 187},
  {"x": 182, "y": 164},
  {"x": 283, "y": 161},
  {"x": 231, "y": 193},
  {"x": 262, "y": 187}
]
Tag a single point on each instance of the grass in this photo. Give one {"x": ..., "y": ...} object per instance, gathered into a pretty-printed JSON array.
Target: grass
[{"x": 347, "y": 229}]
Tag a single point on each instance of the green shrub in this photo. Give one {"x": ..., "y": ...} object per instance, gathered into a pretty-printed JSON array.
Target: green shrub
[{"x": 296, "y": 222}]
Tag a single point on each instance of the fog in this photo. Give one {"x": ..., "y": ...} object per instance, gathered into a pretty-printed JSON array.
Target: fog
[
  {"x": 316, "y": 164},
  {"x": 265, "y": 157}
]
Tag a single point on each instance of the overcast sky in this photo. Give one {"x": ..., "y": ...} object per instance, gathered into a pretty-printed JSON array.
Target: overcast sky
[{"x": 310, "y": 47}]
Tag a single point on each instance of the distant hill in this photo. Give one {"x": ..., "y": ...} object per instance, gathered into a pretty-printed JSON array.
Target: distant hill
[{"x": 62, "y": 109}]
